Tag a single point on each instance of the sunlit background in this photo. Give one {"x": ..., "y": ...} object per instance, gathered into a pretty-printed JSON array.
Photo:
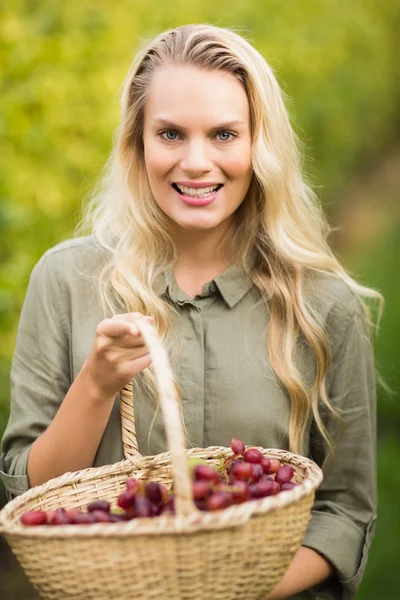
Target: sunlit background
[{"x": 61, "y": 68}]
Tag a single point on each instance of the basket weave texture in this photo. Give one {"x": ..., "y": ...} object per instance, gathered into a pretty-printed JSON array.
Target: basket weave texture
[{"x": 241, "y": 552}]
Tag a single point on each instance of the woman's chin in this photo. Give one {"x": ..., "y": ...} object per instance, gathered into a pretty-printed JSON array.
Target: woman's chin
[{"x": 198, "y": 225}]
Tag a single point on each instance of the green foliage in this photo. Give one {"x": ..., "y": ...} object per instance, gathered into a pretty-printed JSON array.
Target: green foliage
[{"x": 62, "y": 64}]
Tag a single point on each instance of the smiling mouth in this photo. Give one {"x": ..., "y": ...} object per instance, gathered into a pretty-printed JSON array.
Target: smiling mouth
[{"x": 196, "y": 192}]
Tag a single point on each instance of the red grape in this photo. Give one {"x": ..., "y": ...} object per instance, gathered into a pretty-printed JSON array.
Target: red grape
[
  {"x": 221, "y": 487},
  {"x": 200, "y": 489},
  {"x": 99, "y": 505},
  {"x": 71, "y": 512},
  {"x": 206, "y": 473},
  {"x": 276, "y": 488},
  {"x": 133, "y": 485},
  {"x": 242, "y": 470},
  {"x": 126, "y": 499},
  {"x": 59, "y": 517},
  {"x": 284, "y": 474},
  {"x": 114, "y": 518},
  {"x": 219, "y": 500},
  {"x": 83, "y": 519},
  {"x": 288, "y": 485},
  {"x": 275, "y": 465},
  {"x": 265, "y": 487},
  {"x": 129, "y": 513},
  {"x": 237, "y": 447},
  {"x": 142, "y": 507},
  {"x": 253, "y": 455},
  {"x": 201, "y": 504},
  {"x": 254, "y": 491},
  {"x": 52, "y": 514},
  {"x": 256, "y": 472},
  {"x": 100, "y": 516},
  {"x": 230, "y": 465},
  {"x": 267, "y": 477},
  {"x": 34, "y": 517},
  {"x": 240, "y": 492},
  {"x": 157, "y": 509},
  {"x": 266, "y": 464},
  {"x": 169, "y": 506},
  {"x": 156, "y": 492}
]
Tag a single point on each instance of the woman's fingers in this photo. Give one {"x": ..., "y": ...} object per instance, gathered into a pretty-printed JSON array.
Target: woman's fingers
[
  {"x": 120, "y": 325},
  {"x": 125, "y": 356},
  {"x": 136, "y": 365},
  {"x": 113, "y": 329},
  {"x": 132, "y": 317}
]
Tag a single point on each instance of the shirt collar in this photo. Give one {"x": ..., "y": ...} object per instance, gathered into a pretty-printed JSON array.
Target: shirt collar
[
  {"x": 232, "y": 284},
  {"x": 160, "y": 284}
]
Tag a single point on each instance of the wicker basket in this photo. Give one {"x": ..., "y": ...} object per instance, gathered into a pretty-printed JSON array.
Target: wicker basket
[{"x": 238, "y": 553}]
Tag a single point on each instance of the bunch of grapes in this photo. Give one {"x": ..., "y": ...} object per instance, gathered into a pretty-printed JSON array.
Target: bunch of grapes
[
  {"x": 137, "y": 500},
  {"x": 244, "y": 476}
]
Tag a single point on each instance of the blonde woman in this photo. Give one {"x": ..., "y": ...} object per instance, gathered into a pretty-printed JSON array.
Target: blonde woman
[{"x": 204, "y": 223}]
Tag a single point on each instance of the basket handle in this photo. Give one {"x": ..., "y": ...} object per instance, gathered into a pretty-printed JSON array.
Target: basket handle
[
  {"x": 171, "y": 414},
  {"x": 128, "y": 425}
]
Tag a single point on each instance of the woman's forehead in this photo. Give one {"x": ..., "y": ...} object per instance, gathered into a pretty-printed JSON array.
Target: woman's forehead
[{"x": 184, "y": 92}]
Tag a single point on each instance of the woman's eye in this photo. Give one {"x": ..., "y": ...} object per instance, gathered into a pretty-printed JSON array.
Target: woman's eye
[
  {"x": 170, "y": 135},
  {"x": 226, "y": 133}
]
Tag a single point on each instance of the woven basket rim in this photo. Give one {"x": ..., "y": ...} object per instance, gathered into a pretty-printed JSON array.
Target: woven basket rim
[{"x": 232, "y": 516}]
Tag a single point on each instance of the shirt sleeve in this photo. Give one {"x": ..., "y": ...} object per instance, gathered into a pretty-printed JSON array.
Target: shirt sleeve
[
  {"x": 344, "y": 515},
  {"x": 40, "y": 374}
]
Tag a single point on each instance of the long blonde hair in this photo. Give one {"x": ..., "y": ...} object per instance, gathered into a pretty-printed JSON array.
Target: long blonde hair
[{"x": 280, "y": 218}]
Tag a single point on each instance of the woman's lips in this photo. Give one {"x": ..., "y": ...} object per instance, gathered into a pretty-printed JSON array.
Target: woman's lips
[{"x": 191, "y": 201}]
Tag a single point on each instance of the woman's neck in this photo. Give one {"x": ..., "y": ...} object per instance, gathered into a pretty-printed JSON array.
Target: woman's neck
[
  {"x": 201, "y": 249},
  {"x": 199, "y": 260}
]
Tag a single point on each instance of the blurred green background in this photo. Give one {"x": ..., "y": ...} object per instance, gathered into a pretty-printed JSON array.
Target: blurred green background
[{"x": 62, "y": 65}]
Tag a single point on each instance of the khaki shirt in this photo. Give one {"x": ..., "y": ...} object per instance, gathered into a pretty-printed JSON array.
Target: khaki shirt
[{"x": 228, "y": 388}]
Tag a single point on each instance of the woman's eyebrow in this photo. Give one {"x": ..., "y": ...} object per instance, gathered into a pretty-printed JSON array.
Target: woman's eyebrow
[{"x": 225, "y": 125}]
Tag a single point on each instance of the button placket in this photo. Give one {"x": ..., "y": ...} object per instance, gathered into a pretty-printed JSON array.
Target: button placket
[{"x": 192, "y": 372}]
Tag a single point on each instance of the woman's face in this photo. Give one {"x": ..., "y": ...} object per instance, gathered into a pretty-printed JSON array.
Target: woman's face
[{"x": 197, "y": 137}]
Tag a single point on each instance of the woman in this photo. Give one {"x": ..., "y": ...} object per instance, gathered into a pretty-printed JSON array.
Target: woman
[{"x": 205, "y": 225}]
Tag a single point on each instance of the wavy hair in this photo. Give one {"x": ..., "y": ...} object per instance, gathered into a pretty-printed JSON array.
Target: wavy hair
[{"x": 279, "y": 219}]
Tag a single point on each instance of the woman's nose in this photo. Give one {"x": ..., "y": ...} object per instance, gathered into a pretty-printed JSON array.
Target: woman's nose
[{"x": 196, "y": 158}]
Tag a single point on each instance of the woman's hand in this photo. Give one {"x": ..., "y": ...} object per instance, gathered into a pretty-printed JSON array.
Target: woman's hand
[
  {"x": 118, "y": 354},
  {"x": 308, "y": 568}
]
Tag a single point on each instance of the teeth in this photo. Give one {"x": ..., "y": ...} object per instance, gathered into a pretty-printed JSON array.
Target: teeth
[{"x": 196, "y": 193}]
